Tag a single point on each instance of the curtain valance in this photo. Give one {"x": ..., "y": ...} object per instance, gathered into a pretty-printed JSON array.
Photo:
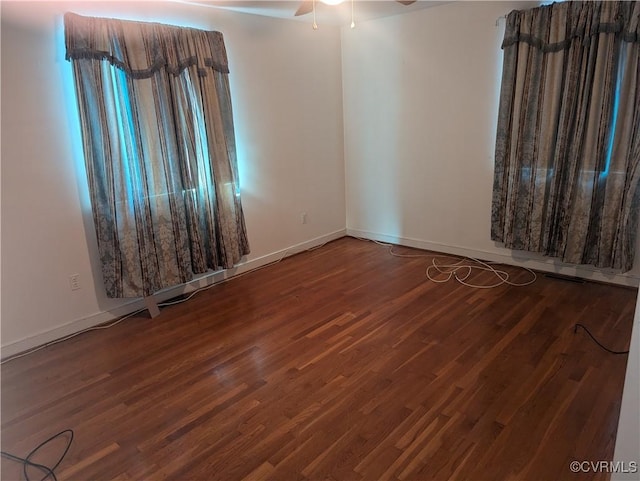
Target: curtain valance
[
  {"x": 141, "y": 49},
  {"x": 572, "y": 20}
]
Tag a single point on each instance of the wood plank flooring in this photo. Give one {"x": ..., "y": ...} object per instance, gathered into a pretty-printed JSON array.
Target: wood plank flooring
[{"x": 342, "y": 363}]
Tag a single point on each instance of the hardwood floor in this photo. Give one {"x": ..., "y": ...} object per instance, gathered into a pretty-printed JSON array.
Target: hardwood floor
[{"x": 342, "y": 363}]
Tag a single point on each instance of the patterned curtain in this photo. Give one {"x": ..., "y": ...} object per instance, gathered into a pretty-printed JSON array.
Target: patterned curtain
[
  {"x": 159, "y": 146},
  {"x": 567, "y": 165}
]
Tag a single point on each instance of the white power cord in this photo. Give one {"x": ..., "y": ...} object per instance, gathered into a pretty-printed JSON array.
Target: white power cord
[
  {"x": 442, "y": 273},
  {"x": 65, "y": 338},
  {"x": 119, "y": 320},
  {"x": 446, "y": 271},
  {"x": 451, "y": 271},
  {"x": 162, "y": 304}
]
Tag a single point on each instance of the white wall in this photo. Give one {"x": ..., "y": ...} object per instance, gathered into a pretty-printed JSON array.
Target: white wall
[
  {"x": 286, "y": 91},
  {"x": 421, "y": 94},
  {"x": 628, "y": 437}
]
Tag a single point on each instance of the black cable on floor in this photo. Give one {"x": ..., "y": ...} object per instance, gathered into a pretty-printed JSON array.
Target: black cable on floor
[
  {"x": 49, "y": 471},
  {"x": 575, "y": 329}
]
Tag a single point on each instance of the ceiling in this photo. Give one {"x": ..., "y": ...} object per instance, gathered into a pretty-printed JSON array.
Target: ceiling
[{"x": 338, "y": 15}]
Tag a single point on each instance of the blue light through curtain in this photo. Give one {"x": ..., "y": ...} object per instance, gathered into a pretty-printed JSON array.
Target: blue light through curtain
[
  {"x": 567, "y": 166},
  {"x": 159, "y": 146}
]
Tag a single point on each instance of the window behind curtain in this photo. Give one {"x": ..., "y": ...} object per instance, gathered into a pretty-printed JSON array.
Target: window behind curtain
[
  {"x": 159, "y": 146},
  {"x": 567, "y": 168}
]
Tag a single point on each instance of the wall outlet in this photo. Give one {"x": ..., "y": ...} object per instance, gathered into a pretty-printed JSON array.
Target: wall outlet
[
  {"x": 74, "y": 281},
  {"x": 303, "y": 218}
]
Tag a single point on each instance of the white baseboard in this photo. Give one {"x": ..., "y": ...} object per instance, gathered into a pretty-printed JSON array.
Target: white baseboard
[
  {"x": 16, "y": 347},
  {"x": 512, "y": 258}
]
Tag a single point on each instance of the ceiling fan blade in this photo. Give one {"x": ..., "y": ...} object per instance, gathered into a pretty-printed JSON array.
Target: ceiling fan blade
[
  {"x": 406, "y": 2},
  {"x": 304, "y": 8}
]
